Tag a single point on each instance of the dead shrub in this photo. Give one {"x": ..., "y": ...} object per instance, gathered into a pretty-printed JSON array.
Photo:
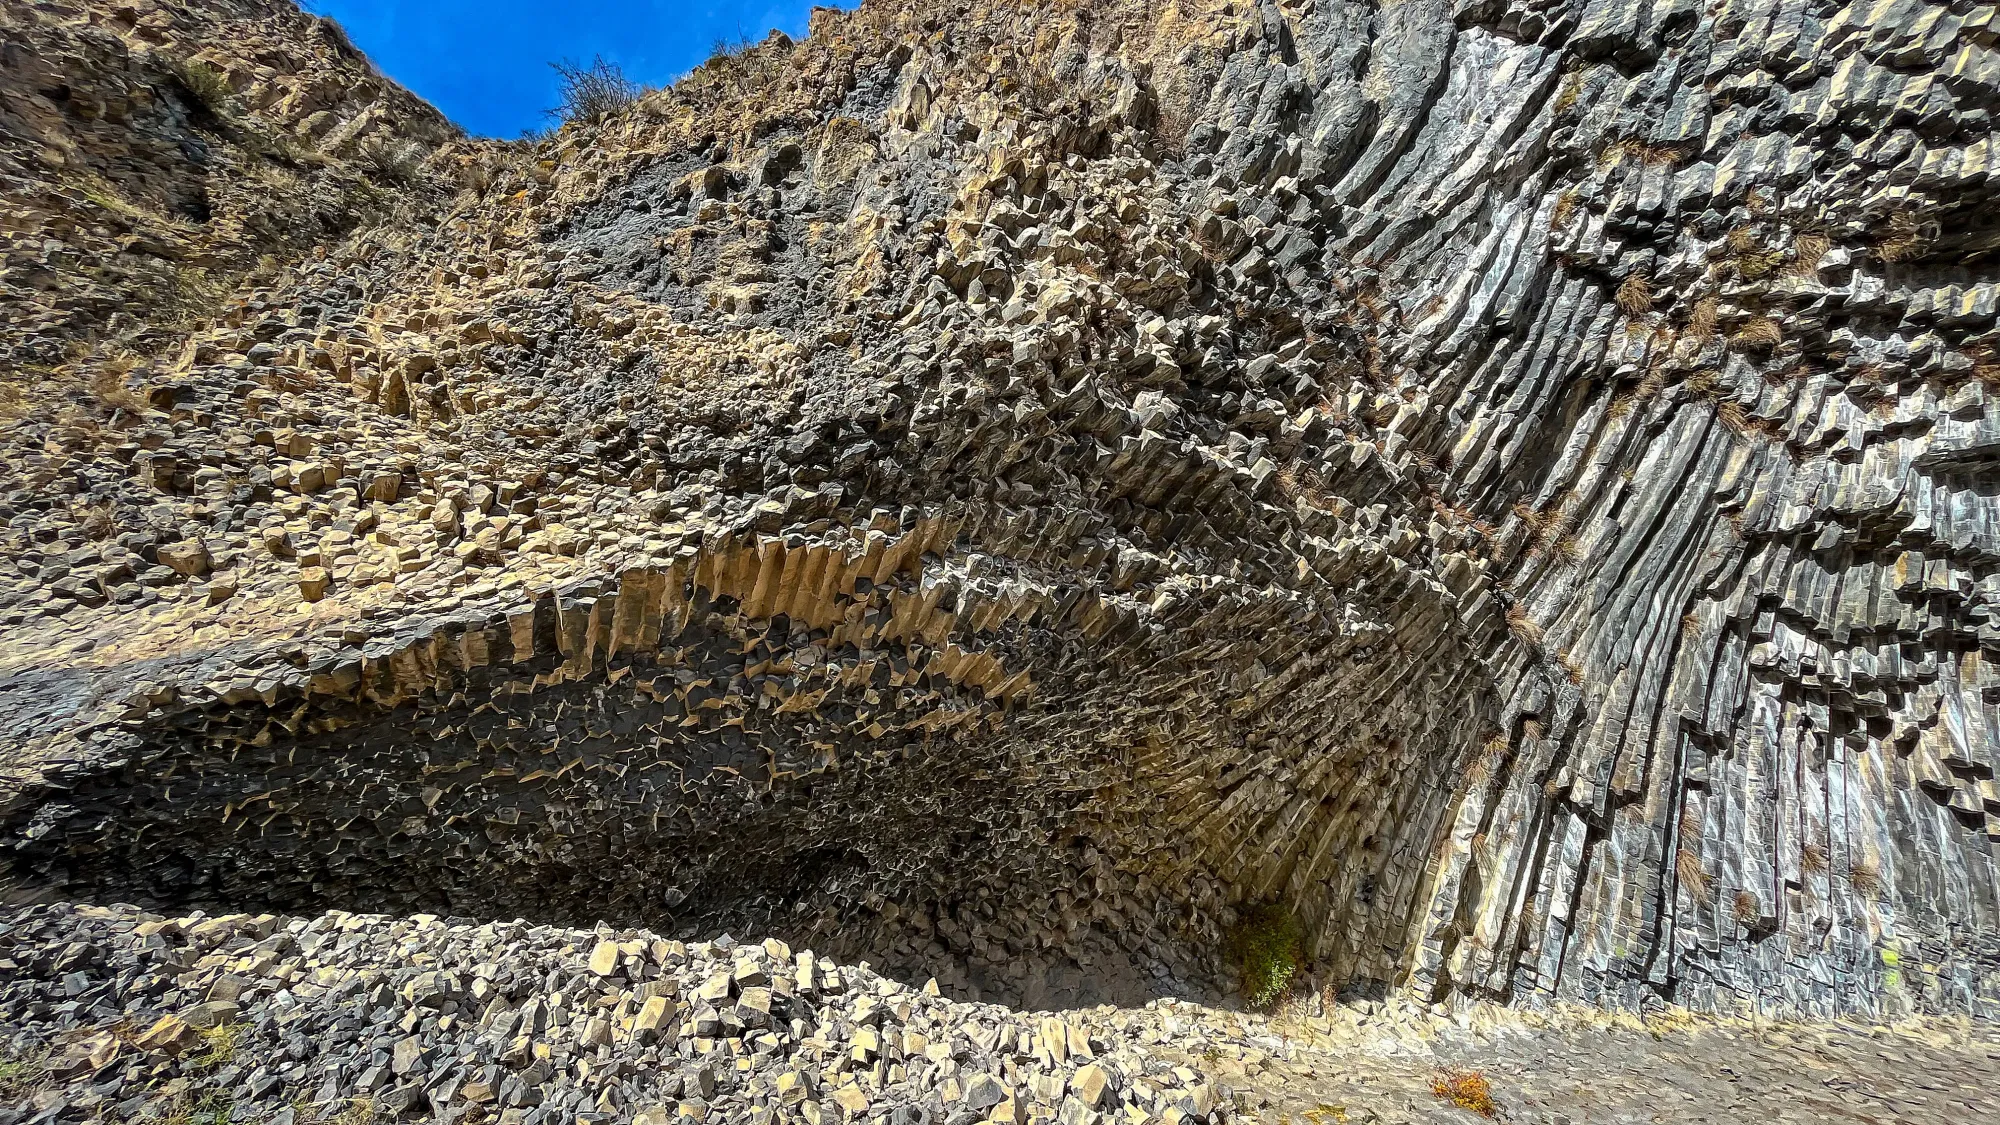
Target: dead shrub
[
  {"x": 390, "y": 161},
  {"x": 592, "y": 93},
  {"x": 1466, "y": 1089},
  {"x": 107, "y": 385}
]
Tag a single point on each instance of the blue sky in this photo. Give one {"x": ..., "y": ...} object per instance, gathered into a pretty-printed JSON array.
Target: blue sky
[{"x": 485, "y": 62}]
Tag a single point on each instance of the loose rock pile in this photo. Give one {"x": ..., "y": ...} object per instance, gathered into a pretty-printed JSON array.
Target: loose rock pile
[{"x": 131, "y": 1016}]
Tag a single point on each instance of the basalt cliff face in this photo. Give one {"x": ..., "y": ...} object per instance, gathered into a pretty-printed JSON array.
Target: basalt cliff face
[{"x": 1016, "y": 490}]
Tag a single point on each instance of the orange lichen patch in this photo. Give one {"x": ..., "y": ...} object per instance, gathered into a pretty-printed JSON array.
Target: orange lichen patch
[{"x": 1466, "y": 1089}]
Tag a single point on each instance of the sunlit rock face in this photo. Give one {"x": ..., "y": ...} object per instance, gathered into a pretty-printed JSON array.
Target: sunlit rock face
[{"x": 1007, "y": 490}]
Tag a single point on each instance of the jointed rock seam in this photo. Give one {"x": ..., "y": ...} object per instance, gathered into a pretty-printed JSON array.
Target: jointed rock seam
[{"x": 1005, "y": 490}]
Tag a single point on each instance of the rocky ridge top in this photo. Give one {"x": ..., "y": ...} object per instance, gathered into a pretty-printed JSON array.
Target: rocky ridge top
[{"x": 154, "y": 155}]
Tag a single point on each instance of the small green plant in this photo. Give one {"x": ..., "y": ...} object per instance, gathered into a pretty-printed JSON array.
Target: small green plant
[
  {"x": 208, "y": 86},
  {"x": 1268, "y": 945},
  {"x": 391, "y": 162},
  {"x": 219, "y": 1047},
  {"x": 1572, "y": 89},
  {"x": 214, "y": 1107},
  {"x": 591, "y": 93},
  {"x": 21, "y": 1074}
]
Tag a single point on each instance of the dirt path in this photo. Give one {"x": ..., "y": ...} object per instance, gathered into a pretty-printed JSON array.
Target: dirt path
[{"x": 1585, "y": 1069}]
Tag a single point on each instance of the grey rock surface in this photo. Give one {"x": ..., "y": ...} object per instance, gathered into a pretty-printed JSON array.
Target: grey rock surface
[{"x": 1007, "y": 492}]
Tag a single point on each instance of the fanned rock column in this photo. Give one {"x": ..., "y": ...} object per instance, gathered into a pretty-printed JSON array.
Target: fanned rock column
[{"x": 1007, "y": 490}]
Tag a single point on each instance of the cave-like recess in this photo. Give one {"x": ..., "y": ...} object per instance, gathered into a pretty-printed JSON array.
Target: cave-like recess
[{"x": 869, "y": 749}]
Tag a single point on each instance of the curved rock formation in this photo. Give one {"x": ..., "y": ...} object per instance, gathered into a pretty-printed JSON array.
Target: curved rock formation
[{"x": 1008, "y": 489}]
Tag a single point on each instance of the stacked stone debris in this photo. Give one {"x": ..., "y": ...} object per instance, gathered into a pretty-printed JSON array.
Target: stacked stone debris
[
  {"x": 1019, "y": 492},
  {"x": 359, "y": 1017}
]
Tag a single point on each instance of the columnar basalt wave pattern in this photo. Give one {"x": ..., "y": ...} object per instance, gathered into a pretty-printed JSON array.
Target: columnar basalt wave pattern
[{"x": 1010, "y": 490}]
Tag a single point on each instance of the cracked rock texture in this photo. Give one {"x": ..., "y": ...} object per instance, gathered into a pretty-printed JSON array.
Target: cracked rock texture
[{"x": 1005, "y": 490}]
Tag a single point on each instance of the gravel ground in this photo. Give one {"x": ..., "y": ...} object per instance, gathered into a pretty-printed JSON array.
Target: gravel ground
[{"x": 112, "y": 1014}]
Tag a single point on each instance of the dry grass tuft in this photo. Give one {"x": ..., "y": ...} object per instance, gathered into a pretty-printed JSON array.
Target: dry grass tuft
[
  {"x": 1744, "y": 908},
  {"x": 1985, "y": 365},
  {"x": 1807, "y": 249},
  {"x": 1527, "y": 923},
  {"x": 1701, "y": 322},
  {"x": 1635, "y": 295},
  {"x": 1812, "y": 859},
  {"x": 1760, "y": 334},
  {"x": 1688, "y": 869},
  {"x": 1466, "y": 1089},
  {"x": 1865, "y": 878},
  {"x": 1572, "y": 669},
  {"x": 1733, "y": 415},
  {"x": 1903, "y": 240},
  {"x": 1298, "y": 481},
  {"x": 1565, "y": 209},
  {"x": 100, "y": 520},
  {"x": 1523, "y": 627}
]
